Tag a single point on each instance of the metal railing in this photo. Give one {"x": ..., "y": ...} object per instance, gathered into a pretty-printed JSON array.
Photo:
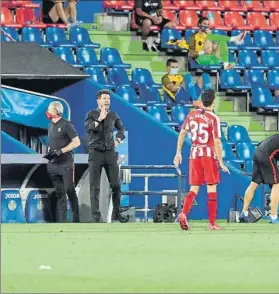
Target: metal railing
[{"x": 146, "y": 192}]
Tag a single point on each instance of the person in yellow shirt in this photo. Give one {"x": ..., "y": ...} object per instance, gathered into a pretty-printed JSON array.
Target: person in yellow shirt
[
  {"x": 211, "y": 49},
  {"x": 174, "y": 84}
]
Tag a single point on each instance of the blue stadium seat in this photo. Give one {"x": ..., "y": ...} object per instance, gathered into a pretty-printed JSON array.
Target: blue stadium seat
[
  {"x": 167, "y": 35},
  {"x": 33, "y": 35},
  {"x": 224, "y": 138},
  {"x": 57, "y": 37},
  {"x": 261, "y": 97},
  {"x": 11, "y": 32},
  {"x": 160, "y": 113},
  {"x": 179, "y": 113},
  {"x": 11, "y": 207},
  {"x": 97, "y": 75},
  {"x": 270, "y": 59},
  {"x": 66, "y": 54},
  {"x": 264, "y": 40},
  {"x": 151, "y": 96},
  {"x": 188, "y": 34},
  {"x": 249, "y": 166},
  {"x": 277, "y": 37},
  {"x": 255, "y": 78},
  {"x": 245, "y": 150},
  {"x": 80, "y": 37},
  {"x": 247, "y": 42},
  {"x": 87, "y": 57},
  {"x": 235, "y": 164},
  {"x": 37, "y": 209},
  {"x": 111, "y": 58},
  {"x": 237, "y": 133},
  {"x": 249, "y": 59},
  {"x": 129, "y": 94},
  {"x": 228, "y": 154},
  {"x": 230, "y": 79},
  {"x": 118, "y": 77},
  {"x": 194, "y": 65},
  {"x": 142, "y": 77},
  {"x": 273, "y": 78}
]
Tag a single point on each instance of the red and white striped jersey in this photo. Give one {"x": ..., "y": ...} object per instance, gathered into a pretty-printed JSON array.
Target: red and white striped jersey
[{"x": 204, "y": 127}]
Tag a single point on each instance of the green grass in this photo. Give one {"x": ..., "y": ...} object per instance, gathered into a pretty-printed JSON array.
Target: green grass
[{"x": 140, "y": 257}]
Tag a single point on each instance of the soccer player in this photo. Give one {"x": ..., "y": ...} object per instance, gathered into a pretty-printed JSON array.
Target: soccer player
[
  {"x": 265, "y": 171},
  {"x": 206, "y": 152}
]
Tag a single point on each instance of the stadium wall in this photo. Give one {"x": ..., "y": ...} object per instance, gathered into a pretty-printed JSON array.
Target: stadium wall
[{"x": 151, "y": 142}]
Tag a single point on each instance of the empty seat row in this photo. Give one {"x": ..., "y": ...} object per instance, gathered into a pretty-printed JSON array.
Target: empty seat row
[
  {"x": 244, "y": 152},
  {"x": 19, "y": 3}
]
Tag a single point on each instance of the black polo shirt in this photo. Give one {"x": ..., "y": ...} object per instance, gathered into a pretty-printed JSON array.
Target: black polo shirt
[
  {"x": 60, "y": 135},
  {"x": 149, "y": 6},
  {"x": 269, "y": 148}
]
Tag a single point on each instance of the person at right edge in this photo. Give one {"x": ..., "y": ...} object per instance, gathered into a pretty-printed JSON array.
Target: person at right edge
[
  {"x": 265, "y": 171},
  {"x": 99, "y": 125}
]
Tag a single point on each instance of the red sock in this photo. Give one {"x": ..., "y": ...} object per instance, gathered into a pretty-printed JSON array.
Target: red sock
[
  {"x": 188, "y": 201},
  {"x": 212, "y": 207}
]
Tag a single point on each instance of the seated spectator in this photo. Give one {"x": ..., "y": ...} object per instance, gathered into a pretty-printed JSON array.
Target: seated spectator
[
  {"x": 174, "y": 83},
  {"x": 54, "y": 11},
  {"x": 148, "y": 13},
  {"x": 211, "y": 49}
]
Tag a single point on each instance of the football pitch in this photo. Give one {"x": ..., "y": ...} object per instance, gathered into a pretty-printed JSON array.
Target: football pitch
[{"x": 139, "y": 257}]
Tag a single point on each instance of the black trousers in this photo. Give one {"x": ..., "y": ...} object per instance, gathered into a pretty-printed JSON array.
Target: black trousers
[
  {"x": 61, "y": 176},
  {"x": 108, "y": 161}
]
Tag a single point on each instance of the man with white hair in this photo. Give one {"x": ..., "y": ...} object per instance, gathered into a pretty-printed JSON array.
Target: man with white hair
[{"x": 63, "y": 139}]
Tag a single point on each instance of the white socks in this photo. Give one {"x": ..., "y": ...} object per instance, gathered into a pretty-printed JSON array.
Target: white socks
[
  {"x": 245, "y": 212},
  {"x": 273, "y": 217}
]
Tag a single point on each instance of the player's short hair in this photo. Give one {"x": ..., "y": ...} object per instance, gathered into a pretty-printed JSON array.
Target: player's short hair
[
  {"x": 201, "y": 19},
  {"x": 171, "y": 60},
  {"x": 207, "y": 97},
  {"x": 57, "y": 106},
  {"x": 101, "y": 92}
]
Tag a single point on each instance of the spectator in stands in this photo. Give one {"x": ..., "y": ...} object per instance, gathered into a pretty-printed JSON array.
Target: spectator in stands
[
  {"x": 173, "y": 82},
  {"x": 211, "y": 49},
  {"x": 148, "y": 13},
  {"x": 54, "y": 11}
]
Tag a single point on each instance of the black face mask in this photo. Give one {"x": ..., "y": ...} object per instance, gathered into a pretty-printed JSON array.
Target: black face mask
[{"x": 203, "y": 28}]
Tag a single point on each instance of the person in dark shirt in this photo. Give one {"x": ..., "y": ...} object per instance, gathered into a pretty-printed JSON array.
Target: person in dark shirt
[
  {"x": 265, "y": 171},
  {"x": 148, "y": 13},
  {"x": 99, "y": 125},
  {"x": 63, "y": 139}
]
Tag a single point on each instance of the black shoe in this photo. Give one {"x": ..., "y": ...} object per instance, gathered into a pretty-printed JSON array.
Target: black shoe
[
  {"x": 145, "y": 46},
  {"x": 156, "y": 47}
]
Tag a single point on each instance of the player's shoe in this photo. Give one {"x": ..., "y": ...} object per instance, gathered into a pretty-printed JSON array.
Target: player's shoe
[
  {"x": 273, "y": 221},
  {"x": 243, "y": 218},
  {"x": 214, "y": 227},
  {"x": 183, "y": 221},
  {"x": 238, "y": 40}
]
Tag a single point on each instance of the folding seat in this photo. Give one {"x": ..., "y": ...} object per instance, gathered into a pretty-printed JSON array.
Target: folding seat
[
  {"x": 208, "y": 5},
  {"x": 171, "y": 16},
  {"x": 118, "y": 77},
  {"x": 270, "y": 59},
  {"x": 111, "y": 58},
  {"x": 97, "y": 75},
  {"x": 129, "y": 94},
  {"x": 237, "y": 133},
  {"x": 249, "y": 166},
  {"x": 57, "y": 37},
  {"x": 264, "y": 39},
  {"x": 87, "y": 57},
  {"x": 134, "y": 25},
  {"x": 273, "y": 5},
  {"x": 188, "y": 34},
  {"x": 258, "y": 21},
  {"x": 273, "y": 79},
  {"x": 121, "y": 5},
  {"x": 230, "y": 79},
  {"x": 66, "y": 54},
  {"x": 179, "y": 113},
  {"x": 26, "y": 3},
  {"x": 254, "y": 5},
  {"x": 11, "y": 206},
  {"x": 247, "y": 42},
  {"x": 27, "y": 17},
  {"x": 79, "y": 36},
  {"x": 185, "y": 5},
  {"x": 151, "y": 96},
  {"x": 167, "y": 4},
  {"x": 261, "y": 97},
  {"x": 7, "y": 19},
  {"x": 255, "y": 78},
  {"x": 188, "y": 19},
  {"x": 249, "y": 59},
  {"x": 277, "y": 37},
  {"x": 33, "y": 35},
  {"x": 228, "y": 154},
  {"x": 245, "y": 150},
  {"x": 9, "y": 35},
  {"x": 142, "y": 77},
  {"x": 234, "y": 20},
  {"x": 274, "y": 20},
  {"x": 231, "y": 5},
  {"x": 215, "y": 20},
  {"x": 160, "y": 113},
  {"x": 170, "y": 34}
]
